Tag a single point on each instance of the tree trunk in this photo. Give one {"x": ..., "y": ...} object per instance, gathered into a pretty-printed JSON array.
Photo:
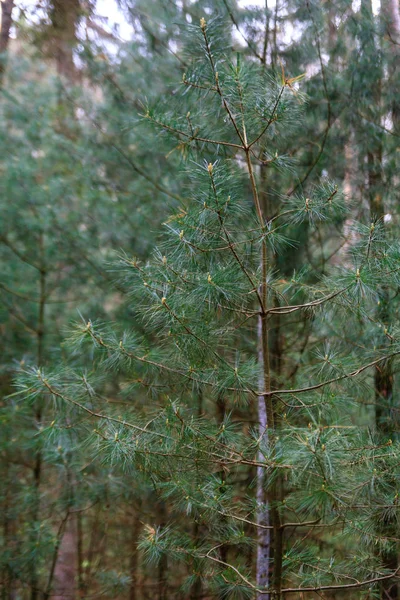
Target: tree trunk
[
  {"x": 66, "y": 567},
  {"x": 383, "y": 377},
  {"x": 6, "y": 22},
  {"x": 391, "y": 15},
  {"x": 263, "y": 517},
  {"x": 221, "y": 413},
  {"x": 162, "y": 574},
  {"x": 136, "y": 526},
  {"x": 64, "y": 17}
]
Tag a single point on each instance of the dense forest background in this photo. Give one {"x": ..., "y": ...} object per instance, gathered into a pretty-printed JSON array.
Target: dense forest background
[{"x": 199, "y": 298}]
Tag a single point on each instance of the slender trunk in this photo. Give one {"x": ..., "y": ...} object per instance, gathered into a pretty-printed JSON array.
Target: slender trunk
[
  {"x": 59, "y": 538},
  {"x": 197, "y": 591},
  {"x": 6, "y": 578},
  {"x": 383, "y": 377},
  {"x": 275, "y": 350},
  {"x": 268, "y": 413},
  {"x": 221, "y": 412},
  {"x": 162, "y": 583},
  {"x": 93, "y": 545},
  {"x": 266, "y": 35},
  {"x": 274, "y": 50},
  {"x": 61, "y": 583},
  {"x": 383, "y": 383},
  {"x": 136, "y": 526},
  {"x": 6, "y": 22},
  {"x": 162, "y": 579},
  {"x": 391, "y": 15},
  {"x": 79, "y": 551},
  {"x": 37, "y": 471},
  {"x": 65, "y": 566},
  {"x": 263, "y": 513},
  {"x": 263, "y": 517}
]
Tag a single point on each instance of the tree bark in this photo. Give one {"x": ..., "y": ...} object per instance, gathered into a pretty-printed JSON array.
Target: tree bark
[
  {"x": 263, "y": 520},
  {"x": 136, "y": 526},
  {"x": 383, "y": 376},
  {"x": 391, "y": 16},
  {"x": 263, "y": 509},
  {"x": 64, "y": 18},
  {"x": 6, "y": 22},
  {"x": 64, "y": 587}
]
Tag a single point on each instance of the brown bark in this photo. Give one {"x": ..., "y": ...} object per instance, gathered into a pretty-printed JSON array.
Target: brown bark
[
  {"x": 136, "y": 527},
  {"x": 6, "y": 22},
  {"x": 383, "y": 376},
  {"x": 79, "y": 550},
  {"x": 197, "y": 590},
  {"x": 37, "y": 471},
  {"x": 63, "y": 576},
  {"x": 65, "y": 572},
  {"x": 221, "y": 413},
  {"x": 383, "y": 373},
  {"x": 7, "y": 582},
  {"x": 162, "y": 575},
  {"x": 391, "y": 16},
  {"x": 64, "y": 16}
]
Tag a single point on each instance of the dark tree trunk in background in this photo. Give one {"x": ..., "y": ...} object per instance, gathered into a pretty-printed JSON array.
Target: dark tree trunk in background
[
  {"x": 6, "y": 22},
  {"x": 65, "y": 580},
  {"x": 383, "y": 377},
  {"x": 391, "y": 17},
  {"x": 136, "y": 527},
  {"x": 64, "y": 18},
  {"x": 162, "y": 574},
  {"x": 221, "y": 414}
]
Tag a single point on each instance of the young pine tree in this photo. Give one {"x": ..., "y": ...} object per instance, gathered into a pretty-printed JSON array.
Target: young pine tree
[{"x": 201, "y": 414}]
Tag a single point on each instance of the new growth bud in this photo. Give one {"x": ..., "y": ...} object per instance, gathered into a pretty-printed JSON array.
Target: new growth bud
[{"x": 203, "y": 23}]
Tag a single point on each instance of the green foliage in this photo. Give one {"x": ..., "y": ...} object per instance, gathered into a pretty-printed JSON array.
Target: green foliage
[{"x": 224, "y": 379}]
